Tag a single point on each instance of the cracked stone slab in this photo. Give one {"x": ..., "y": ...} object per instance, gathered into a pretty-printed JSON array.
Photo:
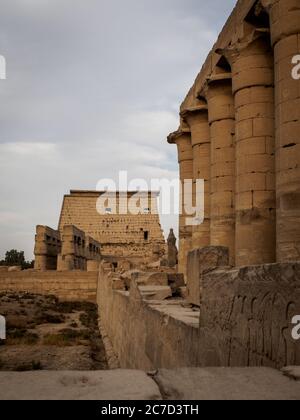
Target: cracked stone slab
[
  {"x": 292, "y": 372},
  {"x": 155, "y": 292},
  {"x": 226, "y": 384},
  {"x": 98, "y": 386}
]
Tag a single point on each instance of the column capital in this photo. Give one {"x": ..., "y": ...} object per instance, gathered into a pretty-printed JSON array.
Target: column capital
[
  {"x": 193, "y": 110},
  {"x": 219, "y": 77},
  {"x": 232, "y": 52},
  {"x": 190, "y": 115},
  {"x": 174, "y": 137},
  {"x": 267, "y": 4},
  {"x": 284, "y": 18},
  {"x": 215, "y": 79}
]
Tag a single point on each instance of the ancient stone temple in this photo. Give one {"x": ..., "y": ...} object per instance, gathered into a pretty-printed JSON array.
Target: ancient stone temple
[
  {"x": 230, "y": 297},
  {"x": 122, "y": 234},
  {"x": 240, "y": 132},
  {"x": 122, "y": 228}
]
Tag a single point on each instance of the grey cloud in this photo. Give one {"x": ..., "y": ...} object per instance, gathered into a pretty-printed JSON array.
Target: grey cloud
[{"x": 98, "y": 83}]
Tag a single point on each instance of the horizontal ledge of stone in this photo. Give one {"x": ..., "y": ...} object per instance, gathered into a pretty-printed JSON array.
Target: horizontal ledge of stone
[
  {"x": 270, "y": 273},
  {"x": 194, "y": 109},
  {"x": 174, "y": 136},
  {"x": 219, "y": 77}
]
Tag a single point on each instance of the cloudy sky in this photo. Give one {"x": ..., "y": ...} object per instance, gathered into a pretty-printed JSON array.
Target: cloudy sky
[{"x": 93, "y": 87}]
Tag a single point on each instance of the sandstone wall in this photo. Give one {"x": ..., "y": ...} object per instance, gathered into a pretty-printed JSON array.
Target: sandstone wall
[
  {"x": 200, "y": 262},
  {"x": 142, "y": 337},
  {"x": 245, "y": 320},
  {"x": 47, "y": 248},
  {"x": 246, "y": 316},
  {"x": 69, "y": 286},
  {"x": 120, "y": 233}
]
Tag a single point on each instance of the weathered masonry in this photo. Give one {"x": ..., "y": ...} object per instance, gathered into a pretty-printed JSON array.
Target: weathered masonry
[
  {"x": 122, "y": 234},
  {"x": 240, "y": 132},
  {"x": 123, "y": 228},
  {"x": 67, "y": 250}
]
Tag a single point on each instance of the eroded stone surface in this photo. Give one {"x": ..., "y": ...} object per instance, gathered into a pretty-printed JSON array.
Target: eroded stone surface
[
  {"x": 201, "y": 262},
  {"x": 180, "y": 384},
  {"x": 98, "y": 386},
  {"x": 227, "y": 384}
]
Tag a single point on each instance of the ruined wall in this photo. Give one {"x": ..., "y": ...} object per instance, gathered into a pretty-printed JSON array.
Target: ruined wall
[
  {"x": 67, "y": 250},
  {"x": 47, "y": 247},
  {"x": 73, "y": 252},
  {"x": 245, "y": 320},
  {"x": 246, "y": 316},
  {"x": 200, "y": 262},
  {"x": 69, "y": 286},
  {"x": 141, "y": 336},
  {"x": 121, "y": 234}
]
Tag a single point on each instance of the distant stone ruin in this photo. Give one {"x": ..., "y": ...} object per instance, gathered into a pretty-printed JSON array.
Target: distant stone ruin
[
  {"x": 122, "y": 235},
  {"x": 66, "y": 250},
  {"x": 85, "y": 236}
]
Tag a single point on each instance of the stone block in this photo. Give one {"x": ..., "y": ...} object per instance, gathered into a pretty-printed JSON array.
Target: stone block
[
  {"x": 14, "y": 269},
  {"x": 176, "y": 282},
  {"x": 200, "y": 262},
  {"x": 151, "y": 279},
  {"x": 155, "y": 292}
]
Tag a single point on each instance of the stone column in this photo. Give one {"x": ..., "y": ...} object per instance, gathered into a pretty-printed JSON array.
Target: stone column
[
  {"x": 67, "y": 260},
  {"x": 221, "y": 114},
  {"x": 185, "y": 158},
  {"x": 285, "y": 32},
  {"x": 197, "y": 119},
  {"x": 40, "y": 249},
  {"x": 253, "y": 88}
]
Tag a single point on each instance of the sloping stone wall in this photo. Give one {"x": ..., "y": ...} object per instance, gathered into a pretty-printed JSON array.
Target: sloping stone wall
[
  {"x": 142, "y": 336},
  {"x": 245, "y": 320}
]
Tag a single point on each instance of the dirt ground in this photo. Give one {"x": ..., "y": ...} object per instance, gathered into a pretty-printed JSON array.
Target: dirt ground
[{"x": 46, "y": 334}]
